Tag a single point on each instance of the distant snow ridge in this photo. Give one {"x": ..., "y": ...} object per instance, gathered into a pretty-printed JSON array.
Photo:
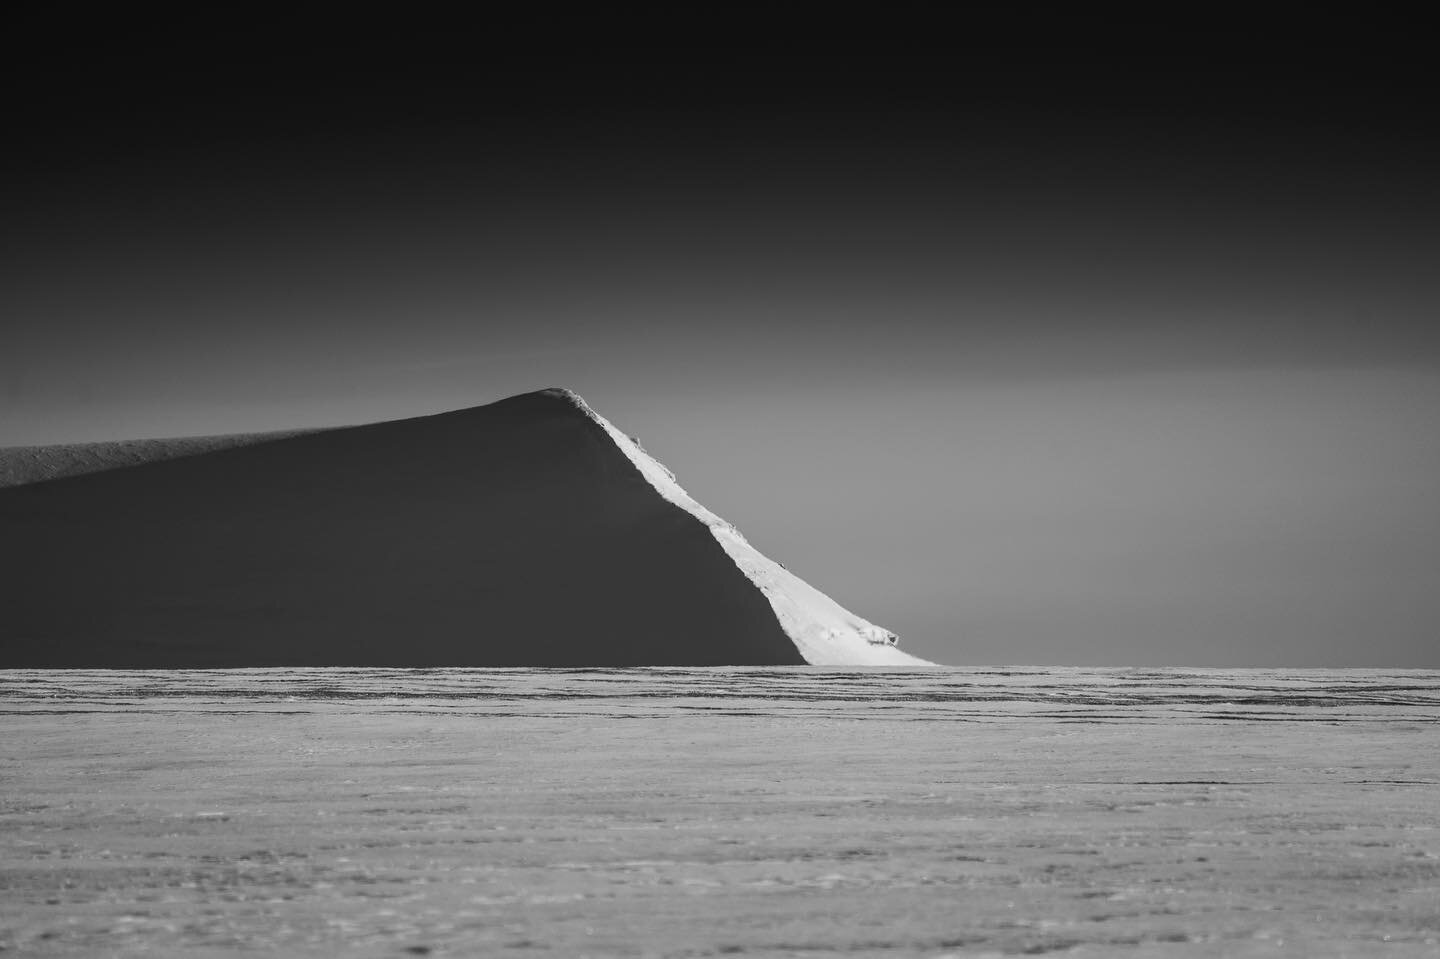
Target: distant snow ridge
[
  {"x": 825, "y": 633},
  {"x": 20, "y": 465}
]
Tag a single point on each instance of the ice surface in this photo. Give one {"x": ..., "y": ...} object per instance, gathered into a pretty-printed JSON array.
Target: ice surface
[{"x": 755, "y": 812}]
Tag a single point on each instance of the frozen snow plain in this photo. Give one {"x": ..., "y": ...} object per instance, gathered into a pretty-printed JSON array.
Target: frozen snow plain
[{"x": 749, "y": 812}]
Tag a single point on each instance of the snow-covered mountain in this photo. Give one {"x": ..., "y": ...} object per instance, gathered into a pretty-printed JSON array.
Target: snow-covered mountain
[{"x": 529, "y": 532}]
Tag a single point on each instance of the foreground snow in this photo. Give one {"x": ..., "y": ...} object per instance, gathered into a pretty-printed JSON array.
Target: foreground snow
[
  {"x": 752, "y": 813},
  {"x": 826, "y": 633}
]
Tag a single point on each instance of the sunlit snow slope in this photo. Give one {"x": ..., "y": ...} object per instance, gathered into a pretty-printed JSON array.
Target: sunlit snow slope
[{"x": 826, "y": 633}]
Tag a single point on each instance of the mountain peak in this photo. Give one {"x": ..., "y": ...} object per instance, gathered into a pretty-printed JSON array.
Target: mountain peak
[{"x": 565, "y": 394}]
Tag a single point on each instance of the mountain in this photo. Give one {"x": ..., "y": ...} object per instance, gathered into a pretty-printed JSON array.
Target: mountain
[{"x": 529, "y": 532}]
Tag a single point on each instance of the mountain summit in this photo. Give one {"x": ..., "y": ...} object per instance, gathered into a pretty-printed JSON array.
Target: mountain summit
[{"x": 529, "y": 532}]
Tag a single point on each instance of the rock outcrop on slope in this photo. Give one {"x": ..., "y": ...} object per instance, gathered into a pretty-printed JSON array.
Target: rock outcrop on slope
[{"x": 529, "y": 532}]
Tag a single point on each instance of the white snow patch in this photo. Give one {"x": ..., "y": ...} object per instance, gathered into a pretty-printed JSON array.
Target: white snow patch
[{"x": 825, "y": 633}]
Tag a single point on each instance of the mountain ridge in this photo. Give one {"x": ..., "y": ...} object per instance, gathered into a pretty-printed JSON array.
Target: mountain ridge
[{"x": 505, "y": 534}]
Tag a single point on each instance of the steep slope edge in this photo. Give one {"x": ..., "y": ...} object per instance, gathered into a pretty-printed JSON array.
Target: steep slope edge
[{"x": 824, "y": 632}]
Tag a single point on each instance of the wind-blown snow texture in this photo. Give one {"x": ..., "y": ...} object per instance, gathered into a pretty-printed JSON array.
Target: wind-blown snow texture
[
  {"x": 529, "y": 532},
  {"x": 758, "y": 813}
]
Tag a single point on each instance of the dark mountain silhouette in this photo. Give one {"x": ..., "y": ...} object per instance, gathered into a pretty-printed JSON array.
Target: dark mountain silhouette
[
  {"x": 514, "y": 534},
  {"x": 530, "y": 532}
]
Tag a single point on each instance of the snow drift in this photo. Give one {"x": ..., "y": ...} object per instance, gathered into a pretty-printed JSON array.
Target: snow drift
[{"x": 529, "y": 532}]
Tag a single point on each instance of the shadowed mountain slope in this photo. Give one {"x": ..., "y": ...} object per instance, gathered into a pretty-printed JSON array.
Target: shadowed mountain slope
[{"x": 514, "y": 534}]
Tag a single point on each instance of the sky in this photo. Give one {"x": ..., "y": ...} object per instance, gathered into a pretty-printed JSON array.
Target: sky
[{"x": 1037, "y": 343}]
